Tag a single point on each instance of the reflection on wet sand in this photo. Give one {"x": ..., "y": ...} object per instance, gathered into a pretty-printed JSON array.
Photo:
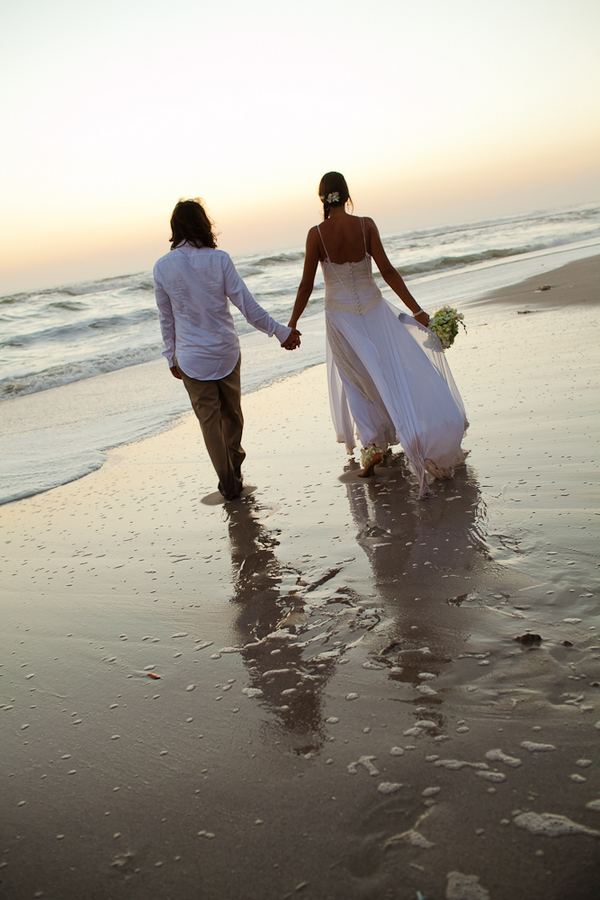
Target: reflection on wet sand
[
  {"x": 393, "y": 527},
  {"x": 296, "y": 627},
  {"x": 271, "y": 599},
  {"x": 427, "y": 558}
]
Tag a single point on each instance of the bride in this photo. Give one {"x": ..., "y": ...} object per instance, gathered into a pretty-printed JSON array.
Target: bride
[{"x": 389, "y": 381}]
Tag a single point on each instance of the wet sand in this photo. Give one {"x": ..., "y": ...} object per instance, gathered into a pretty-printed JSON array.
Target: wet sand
[{"x": 316, "y": 691}]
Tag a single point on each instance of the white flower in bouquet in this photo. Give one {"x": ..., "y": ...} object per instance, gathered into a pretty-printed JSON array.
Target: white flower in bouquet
[{"x": 445, "y": 324}]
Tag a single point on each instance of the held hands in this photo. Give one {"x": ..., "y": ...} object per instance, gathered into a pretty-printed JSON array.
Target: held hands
[{"x": 293, "y": 341}]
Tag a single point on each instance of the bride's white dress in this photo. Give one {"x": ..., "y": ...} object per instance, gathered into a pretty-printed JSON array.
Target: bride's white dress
[{"x": 389, "y": 381}]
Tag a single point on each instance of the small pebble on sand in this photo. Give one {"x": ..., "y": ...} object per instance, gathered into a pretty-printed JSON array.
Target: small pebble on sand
[
  {"x": 498, "y": 756},
  {"x": 551, "y": 825},
  {"x": 465, "y": 887},
  {"x": 389, "y": 787}
]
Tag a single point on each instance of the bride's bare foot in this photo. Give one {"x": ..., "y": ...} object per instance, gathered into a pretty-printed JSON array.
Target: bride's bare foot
[{"x": 369, "y": 470}]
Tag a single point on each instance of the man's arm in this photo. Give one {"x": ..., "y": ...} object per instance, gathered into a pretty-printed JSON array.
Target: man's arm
[
  {"x": 252, "y": 311},
  {"x": 167, "y": 321}
]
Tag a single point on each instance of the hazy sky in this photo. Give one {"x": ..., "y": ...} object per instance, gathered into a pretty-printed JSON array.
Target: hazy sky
[{"x": 437, "y": 112}]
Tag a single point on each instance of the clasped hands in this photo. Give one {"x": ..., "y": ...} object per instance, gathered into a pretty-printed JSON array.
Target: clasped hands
[{"x": 293, "y": 341}]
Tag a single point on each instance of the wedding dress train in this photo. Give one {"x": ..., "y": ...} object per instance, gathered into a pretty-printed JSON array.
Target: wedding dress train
[{"x": 389, "y": 381}]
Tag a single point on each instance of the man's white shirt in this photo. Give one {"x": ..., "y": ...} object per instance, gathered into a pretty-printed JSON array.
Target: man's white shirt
[{"x": 192, "y": 286}]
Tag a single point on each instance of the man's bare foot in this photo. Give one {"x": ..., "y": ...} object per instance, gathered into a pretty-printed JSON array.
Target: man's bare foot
[{"x": 369, "y": 470}]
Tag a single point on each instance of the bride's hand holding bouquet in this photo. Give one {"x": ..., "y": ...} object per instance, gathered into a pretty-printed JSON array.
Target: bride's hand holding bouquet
[{"x": 444, "y": 324}]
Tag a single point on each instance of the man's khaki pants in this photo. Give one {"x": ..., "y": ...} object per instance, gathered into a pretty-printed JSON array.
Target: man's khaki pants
[{"x": 217, "y": 405}]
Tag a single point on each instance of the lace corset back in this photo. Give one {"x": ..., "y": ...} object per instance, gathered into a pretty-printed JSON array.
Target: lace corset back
[{"x": 350, "y": 287}]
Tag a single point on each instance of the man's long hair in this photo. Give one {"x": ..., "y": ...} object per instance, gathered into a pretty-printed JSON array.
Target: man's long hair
[{"x": 189, "y": 222}]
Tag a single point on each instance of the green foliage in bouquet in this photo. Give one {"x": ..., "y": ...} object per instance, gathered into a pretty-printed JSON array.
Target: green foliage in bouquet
[{"x": 445, "y": 324}]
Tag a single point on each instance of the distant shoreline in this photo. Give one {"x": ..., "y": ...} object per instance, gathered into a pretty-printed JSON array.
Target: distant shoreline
[{"x": 51, "y": 437}]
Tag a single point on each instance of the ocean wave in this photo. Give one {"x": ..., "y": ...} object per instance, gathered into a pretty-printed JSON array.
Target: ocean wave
[
  {"x": 55, "y": 376},
  {"x": 145, "y": 284},
  {"x": 10, "y": 299},
  {"x": 570, "y": 215},
  {"x": 267, "y": 297},
  {"x": 107, "y": 284},
  {"x": 515, "y": 224},
  {"x": 78, "y": 330},
  {"x": 444, "y": 263},
  {"x": 246, "y": 271},
  {"x": 277, "y": 258},
  {"x": 69, "y": 305},
  {"x": 140, "y": 281}
]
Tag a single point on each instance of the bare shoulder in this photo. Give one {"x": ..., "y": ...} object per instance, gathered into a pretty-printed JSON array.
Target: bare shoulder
[
  {"x": 370, "y": 224},
  {"x": 312, "y": 239},
  {"x": 373, "y": 233}
]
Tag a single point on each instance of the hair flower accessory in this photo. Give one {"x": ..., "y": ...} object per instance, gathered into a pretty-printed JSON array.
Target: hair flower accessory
[
  {"x": 334, "y": 197},
  {"x": 445, "y": 325}
]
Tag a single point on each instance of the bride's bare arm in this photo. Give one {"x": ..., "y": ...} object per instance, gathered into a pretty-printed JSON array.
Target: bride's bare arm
[
  {"x": 305, "y": 289},
  {"x": 390, "y": 275}
]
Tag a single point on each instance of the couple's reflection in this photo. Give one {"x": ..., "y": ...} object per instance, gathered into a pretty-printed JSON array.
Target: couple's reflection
[
  {"x": 426, "y": 558},
  {"x": 272, "y": 600}
]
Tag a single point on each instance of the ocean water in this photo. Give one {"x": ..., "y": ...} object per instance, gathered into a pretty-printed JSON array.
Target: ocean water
[{"x": 81, "y": 368}]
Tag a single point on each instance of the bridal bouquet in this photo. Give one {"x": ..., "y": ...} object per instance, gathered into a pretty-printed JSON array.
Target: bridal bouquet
[{"x": 445, "y": 324}]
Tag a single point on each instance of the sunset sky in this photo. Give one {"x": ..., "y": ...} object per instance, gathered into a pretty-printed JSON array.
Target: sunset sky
[{"x": 437, "y": 112}]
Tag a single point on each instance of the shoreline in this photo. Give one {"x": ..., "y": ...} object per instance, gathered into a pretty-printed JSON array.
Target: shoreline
[
  {"x": 60, "y": 434},
  {"x": 341, "y": 701}
]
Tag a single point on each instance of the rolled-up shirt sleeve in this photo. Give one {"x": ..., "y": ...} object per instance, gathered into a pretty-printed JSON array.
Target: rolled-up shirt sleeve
[
  {"x": 167, "y": 321},
  {"x": 252, "y": 311}
]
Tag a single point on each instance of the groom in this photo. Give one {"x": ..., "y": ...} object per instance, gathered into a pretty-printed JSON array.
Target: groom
[{"x": 193, "y": 285}]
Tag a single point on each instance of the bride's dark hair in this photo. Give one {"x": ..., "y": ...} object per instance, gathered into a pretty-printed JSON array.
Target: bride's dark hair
[
  {"x": 189, "y": 222},
  {"x": 333, "y": 183}
]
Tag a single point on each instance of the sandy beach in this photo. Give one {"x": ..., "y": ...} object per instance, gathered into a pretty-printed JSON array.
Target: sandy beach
[{"x": 319, "y": 691}]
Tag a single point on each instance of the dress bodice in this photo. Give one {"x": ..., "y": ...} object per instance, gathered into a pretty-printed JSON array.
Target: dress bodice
[{"x": 350, "y": 287}]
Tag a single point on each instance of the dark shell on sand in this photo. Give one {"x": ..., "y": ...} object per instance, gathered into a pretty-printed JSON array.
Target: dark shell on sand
[{"x": 528, "y": 640}]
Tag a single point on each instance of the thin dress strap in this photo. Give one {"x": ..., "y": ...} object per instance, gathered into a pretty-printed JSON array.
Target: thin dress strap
[
  {"x": 362, "y": 222},
  {"x": 323, "y": 242}
]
